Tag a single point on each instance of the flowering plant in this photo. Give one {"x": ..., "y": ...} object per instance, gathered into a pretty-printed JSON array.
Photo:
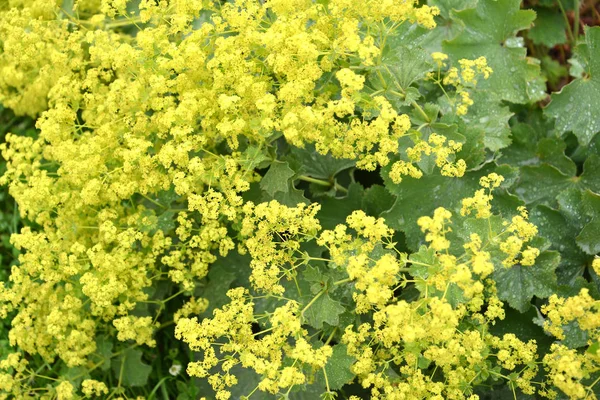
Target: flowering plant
[{"x": 299, "y": 199}]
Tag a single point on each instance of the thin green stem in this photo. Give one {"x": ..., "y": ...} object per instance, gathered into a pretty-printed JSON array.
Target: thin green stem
[
  {"x": 342, "y": 281},
  {"x": 252, "y": 392},
  {"x": 318, "y": 259},
  {"x": 420, "y": 110},
  {"x": 312, "y": 302},
  {"x": 331, "y": 335},
  {"x": 124, "y": 22},
  {"x": 121, "y": 372},
  {"x": 158, "y": 385},
  {"x": 153, "y": 201},
  {"x": 314, "y": 180},
  {"x": 326, "y": 380},
  {"x": 591, "y": 386},
  {"x": 576, "y": 7},
  {"x": 322, "y": 182},
  {"x": 566, "y": 18}
]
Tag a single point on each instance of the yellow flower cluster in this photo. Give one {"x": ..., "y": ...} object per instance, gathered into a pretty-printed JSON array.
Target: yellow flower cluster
[
  {"x": 443, "y": 151},
  {"x": 462, "y": 78},
  {"x": 481, "y": 202},
  {"x": 414, "y": 335},
  {"x": 436, "y": 228},
  {"x": 519, "y": 230},
  {"x": 447, "y": 326},
  {"x": 581, "y": 308},
  {"x": 568, "y": 369},
  {"x": 272, "y": 236},
  {"x": 228, "y": 338},
  {"x": 125, "y": 121},
  {"x": 13, "y": 369},
  {"x": 36, "y": 54},
  {"x": 596, "y": 265},
  {"x": 90, "y": 387},
  {"x": 149, "y": 144}
]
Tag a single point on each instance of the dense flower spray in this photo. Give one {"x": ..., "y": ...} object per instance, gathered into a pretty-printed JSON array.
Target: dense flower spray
[{"x": 146, "y": 177}]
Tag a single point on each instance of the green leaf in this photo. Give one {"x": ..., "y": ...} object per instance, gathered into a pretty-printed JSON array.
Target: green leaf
[
  {"x": 579, "y": 207},
  {"x": 518, "y": 284},
  {"x": 549, "y": 28},
  {"x": 314, "y": 276},
  {"x": 582, "y": 211},
  {"x": 560, "y": 232},
  {"x": 253, "y": 157},
  {"x": 277, "y": 178},
  {"x": 593, "y": 348},
  {"x": 103, "y": 352},
  {"x": 544, "y": 183},
  {"x": 530, "y": 148},
  {"x": 130, "y": 369},
  {"x": 67, "y": 7},
  {"x": 447, "y": 6},
  {"x": 491, "y": 117},
  {"x": 167, "y": 197},
  {"x": 576, "y": 68},
  {"x": 577, "y": 106},
  {"x": 553, "y": 70},
  {"x": 147, "y": 221},
  {"x": 221, "y": 277},
  {"x": 473, "y": 150},
  {"x": 323, "y": 310},
  {"x": 552, "y": 151},
  {"x": 489, "y": 30},
  {"x": 504, "y": 391},
  {"x": 541, "y": 184},
  {"x": 589, "y": 238},
  {"x": 575, "y": 337},
  {"x": 400, "y": 67},
  {"x": 335, "y": 210},
  {"x": 186, "y": 391},
  {"x": 403, "y": 65},
  {"x": 338, "y": 368},
  {"x": 590, "y": 179},
  {"x": 446, "y": 28},
  {"x": 317, "y": 165},
  {"x": 376, "y": 200},
  {"x": 487, "y": 229},
  {"x": 307, "y": 391},
  {"x": 247, "y": 382},
  {"x": 428, "y": 114},
  {"x": 75, "y": 375},
  {"x": 424, "y": 263},
  {"x": 166, "y": 221},
  {"x": 291, "y": 197}
]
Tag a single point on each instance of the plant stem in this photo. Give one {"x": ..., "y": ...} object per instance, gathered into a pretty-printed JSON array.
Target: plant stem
[
  {"x": 312, "y": 302},
  {"x": 331, "y": 335},
  {"x": 576, "y": 7},
  {"x": 322, "y": 182},
  {"x": 326, "y": 380},
  {"x": 420, "y": 110},
  {"x": 342, "y": 281},
  {"x": 566, "y": 18},
  {"x": 314, "y": 180},
  {"x": 123, "y": 22}
]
